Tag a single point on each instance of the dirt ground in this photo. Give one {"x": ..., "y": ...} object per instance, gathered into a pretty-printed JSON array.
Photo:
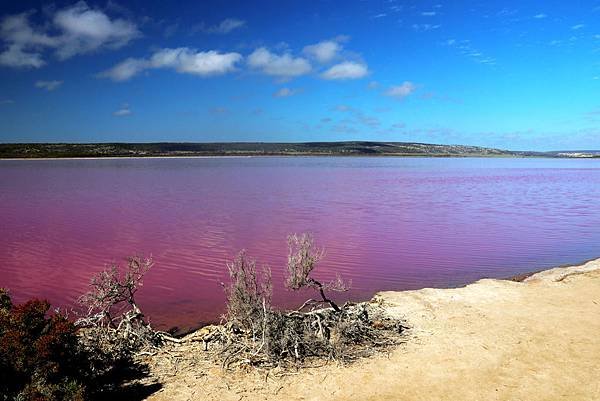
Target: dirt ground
[{"x": 491, "y": 340}]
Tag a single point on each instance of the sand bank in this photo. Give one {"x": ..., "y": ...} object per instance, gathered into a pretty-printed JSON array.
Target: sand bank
[{"x": 490, "y": 340}]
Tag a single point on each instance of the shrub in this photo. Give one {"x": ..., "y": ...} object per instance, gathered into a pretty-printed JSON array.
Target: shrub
[
  {"x": 40, "y": 358},
  {"x": 248, "y": 294},
  {"x": 257, "y": 334}
]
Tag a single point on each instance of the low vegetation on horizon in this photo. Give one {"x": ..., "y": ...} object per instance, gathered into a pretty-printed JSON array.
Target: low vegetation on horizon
[{"x": 348, "y": 148}]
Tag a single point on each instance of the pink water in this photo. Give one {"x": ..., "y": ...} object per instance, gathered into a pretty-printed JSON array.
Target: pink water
[{"x": 386, "y": 223}]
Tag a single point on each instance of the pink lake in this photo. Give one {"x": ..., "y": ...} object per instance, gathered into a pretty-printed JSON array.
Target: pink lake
[{"x": 386, "y": 223}]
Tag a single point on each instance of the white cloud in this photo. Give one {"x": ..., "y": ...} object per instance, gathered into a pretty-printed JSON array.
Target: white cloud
[
  {"x": 324, "y": 51},
  {"x": 16, "y": 29},
  {"x": 540, "y": 16},
  {"x": 285, "y": 92},
  {"x": 182, "y": 59},
  {"x": 123, "y": 111},
  {"x": 189, "y": 61},
  {"x": 401, "y": 91},
  {"x": 577, "y": 27},
  {"x": 48, "y": 85},
  {"x": 284, "y": 66},
  {"x": 77, "y": 29},
  {"x": 16, "y": 57},
  {"x": 346, "y": 70},
  {"x": 23, "y": 42},
  {"x": 226, "y": 26},
  {"x": 86, "y": 30},
  {"x": 428, "y": 13},
  {"x": 379, "y": 16}
]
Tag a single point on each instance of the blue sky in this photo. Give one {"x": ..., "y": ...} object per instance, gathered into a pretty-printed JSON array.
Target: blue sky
[{"x": 513, "y": 75}]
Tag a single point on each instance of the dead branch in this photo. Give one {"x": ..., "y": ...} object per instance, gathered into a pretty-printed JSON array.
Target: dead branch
[{"x": 303, "y": 257}]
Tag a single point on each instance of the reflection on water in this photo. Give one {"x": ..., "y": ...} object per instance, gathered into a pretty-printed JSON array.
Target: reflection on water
[{"x": 386, "y": 223}]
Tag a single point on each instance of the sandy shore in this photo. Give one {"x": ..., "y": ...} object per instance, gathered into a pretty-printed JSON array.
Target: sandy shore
[{"x": 491, "y": 340}]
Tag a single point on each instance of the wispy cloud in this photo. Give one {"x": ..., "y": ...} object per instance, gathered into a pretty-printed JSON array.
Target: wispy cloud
[
  {"x": 425, "y": 27},
  {"x": 380, "y": 15},
  {"x": 123, "y": 111},
  {"x": 401, "y": 91},
  {"x": 70, "y": 31},
  {"x": 465, "y": 48},
  {"x": 342, "y": 107},
  {"x": 219, "y": 110},
  {"x": 540, "y": 16},
  {"x": 285, "y": 92},
  {"x": 357, "y": 116},
  {"x": 48, "y": 85},
  {"x": 578, "y": 27},
  {"x": 428, "y": 13},
  {"x": 224, "y": 27},
  {"x": 183, "y": 60},
  {"x": 6, "y": 101},
  {"x": 346, "y": 70}
]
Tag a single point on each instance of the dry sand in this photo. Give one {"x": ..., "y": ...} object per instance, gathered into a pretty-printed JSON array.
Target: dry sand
[{"x": 491, "y": 340}]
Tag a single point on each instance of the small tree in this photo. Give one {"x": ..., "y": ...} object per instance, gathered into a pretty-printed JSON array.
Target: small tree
[
  {"x": 111, "y": 299},
  {"x": 303, "y": 257}
]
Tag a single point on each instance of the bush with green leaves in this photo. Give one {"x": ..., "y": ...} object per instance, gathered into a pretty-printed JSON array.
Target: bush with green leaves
[{"x": 40, "y": 357}]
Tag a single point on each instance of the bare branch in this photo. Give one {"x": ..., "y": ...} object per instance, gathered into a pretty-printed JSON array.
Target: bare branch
[{"x": 303, "y": 256}]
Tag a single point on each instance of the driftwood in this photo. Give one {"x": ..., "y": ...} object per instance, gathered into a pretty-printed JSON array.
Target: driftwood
[{"x": 298, "y": 337}]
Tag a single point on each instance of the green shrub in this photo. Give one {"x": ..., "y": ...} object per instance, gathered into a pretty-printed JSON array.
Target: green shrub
[{"x": 40, "y": 358}]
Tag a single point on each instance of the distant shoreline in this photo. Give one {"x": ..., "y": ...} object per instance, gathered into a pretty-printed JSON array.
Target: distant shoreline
[
  {"x": 408, "y": 156},
  {"x": 274, "y": 155},
  {"x": 29, "y": 151}
]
